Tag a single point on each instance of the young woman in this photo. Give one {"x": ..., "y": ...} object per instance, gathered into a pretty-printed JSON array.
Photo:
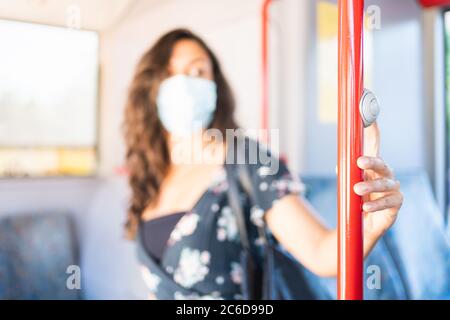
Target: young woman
[{"x": 180, "y": 208}]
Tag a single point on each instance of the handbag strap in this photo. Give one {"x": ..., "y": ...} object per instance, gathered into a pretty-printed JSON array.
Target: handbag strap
[
  {"x": 235, "y": 204},
  {"x": 238, "y": 172},
  {"x": 257, "y": 284}
]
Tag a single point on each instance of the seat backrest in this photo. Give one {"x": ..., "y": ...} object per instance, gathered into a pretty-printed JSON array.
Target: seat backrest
[{"x": 35, "y": 253}]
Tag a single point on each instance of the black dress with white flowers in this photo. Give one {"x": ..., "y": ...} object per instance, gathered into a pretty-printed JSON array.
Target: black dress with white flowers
[{"x": 201, "y": 258}]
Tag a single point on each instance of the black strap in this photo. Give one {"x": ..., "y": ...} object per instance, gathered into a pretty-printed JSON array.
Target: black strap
[
  {"x": 235, "y": 204},
  {"x": 238, "y": 173}
]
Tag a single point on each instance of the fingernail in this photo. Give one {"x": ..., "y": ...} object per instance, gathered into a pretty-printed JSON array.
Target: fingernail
[
  {"x": 390, "y": 183},
  {"x": 360, "y": 189},
  {"x": 363, "y": 161},
  {"x": 367, "y": 207}
]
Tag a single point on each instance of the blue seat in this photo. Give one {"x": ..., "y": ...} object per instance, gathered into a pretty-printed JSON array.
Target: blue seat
[
  {"x": 413, "y": 256},
  {"x": 35, "y": 252}
]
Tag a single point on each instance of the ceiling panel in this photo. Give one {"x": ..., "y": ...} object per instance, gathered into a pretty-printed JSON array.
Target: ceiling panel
[{"x": 91, "y": 14}]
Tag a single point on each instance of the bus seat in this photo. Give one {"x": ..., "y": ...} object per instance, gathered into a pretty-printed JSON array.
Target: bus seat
[{"x": 35, "y": 252}]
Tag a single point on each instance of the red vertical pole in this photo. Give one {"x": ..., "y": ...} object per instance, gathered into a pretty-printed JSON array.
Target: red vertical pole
[
  {"x": 265, "y": 69},
  {"x": 350, "y": 147}
]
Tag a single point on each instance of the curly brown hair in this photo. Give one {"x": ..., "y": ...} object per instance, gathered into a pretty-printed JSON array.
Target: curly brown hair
[{"x": 147, "y": 158}]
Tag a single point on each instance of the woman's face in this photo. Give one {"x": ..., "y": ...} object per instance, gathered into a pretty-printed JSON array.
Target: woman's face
[{"x": 190, "y": 59}]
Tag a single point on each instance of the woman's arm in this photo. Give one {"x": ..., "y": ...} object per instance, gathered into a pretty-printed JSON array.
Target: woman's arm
[{"x": 297, "y": 227}]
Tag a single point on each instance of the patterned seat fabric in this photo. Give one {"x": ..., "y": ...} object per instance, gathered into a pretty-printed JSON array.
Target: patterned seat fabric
[{"x": 35, "y": 253}]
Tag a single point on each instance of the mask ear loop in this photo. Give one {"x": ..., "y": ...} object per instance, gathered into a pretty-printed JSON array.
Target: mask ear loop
[{"x": 369, "y": 108}]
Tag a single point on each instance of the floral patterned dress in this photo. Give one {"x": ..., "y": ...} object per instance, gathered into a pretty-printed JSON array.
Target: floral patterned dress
[{"x": 201, "y": 258}]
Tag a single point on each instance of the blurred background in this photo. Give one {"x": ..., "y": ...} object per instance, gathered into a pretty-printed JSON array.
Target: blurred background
[{"x": 65, "y": 67}]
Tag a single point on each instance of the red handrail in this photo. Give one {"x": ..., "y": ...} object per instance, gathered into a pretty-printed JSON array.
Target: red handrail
[
  {"x": 350, "y": 147},
  {"x": 434, "y": 3}
]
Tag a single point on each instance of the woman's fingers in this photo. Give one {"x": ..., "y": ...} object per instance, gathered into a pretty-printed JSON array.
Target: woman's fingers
[
  {"x": 377, "y": 185},
  {"x": 375, "y": 164},
  {"x": 384, "y": 183},
  {"x": 389, "y": 201}
]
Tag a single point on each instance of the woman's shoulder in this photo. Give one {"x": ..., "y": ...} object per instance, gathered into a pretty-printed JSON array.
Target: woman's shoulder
[{"x": 270, "y": 176}]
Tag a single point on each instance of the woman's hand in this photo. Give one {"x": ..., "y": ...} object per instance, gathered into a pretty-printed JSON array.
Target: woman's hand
[
  {"x": 294, "y": 221},
  {"x": 380, "y": 190}
]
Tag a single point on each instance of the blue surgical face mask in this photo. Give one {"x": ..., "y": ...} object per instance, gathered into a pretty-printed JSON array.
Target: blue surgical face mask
[{"x": 186, "y": 104}]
